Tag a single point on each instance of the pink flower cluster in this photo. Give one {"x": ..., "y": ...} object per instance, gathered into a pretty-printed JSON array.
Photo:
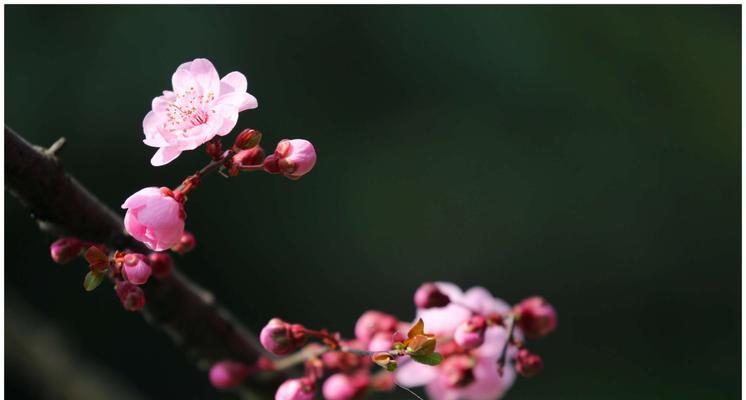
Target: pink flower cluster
[{"x": 463, "y": 346}]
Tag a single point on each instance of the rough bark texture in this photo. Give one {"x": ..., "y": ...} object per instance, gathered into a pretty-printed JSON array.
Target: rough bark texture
[{"x": 176, "y": 305}]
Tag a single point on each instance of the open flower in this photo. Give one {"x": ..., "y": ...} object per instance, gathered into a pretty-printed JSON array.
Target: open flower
[
  {"x": 470, "y": 374},
  {"x": 154, "y": 218},
  {"x": 200, "y": 106}
]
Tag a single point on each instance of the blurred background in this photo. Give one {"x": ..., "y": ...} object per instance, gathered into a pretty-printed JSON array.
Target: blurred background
[{"x": 587, "y": 154}]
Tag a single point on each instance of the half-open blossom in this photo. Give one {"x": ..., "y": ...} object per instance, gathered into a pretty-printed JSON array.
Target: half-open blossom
[
  {"x": 296, "y": 389},
  {"x": 154, "y": 218},
  {"x": 292, "y": 158},
  {"x": 136, "y": 269},
  {"x": 470, "y": 334},
  {"x": 227, "y": 374},
  {"x": 200, "y": 106},
  {"x": 536, "y": 317}
]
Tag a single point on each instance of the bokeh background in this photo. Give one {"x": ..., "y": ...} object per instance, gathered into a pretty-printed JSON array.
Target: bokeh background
[{"x": 589, "y": 154}]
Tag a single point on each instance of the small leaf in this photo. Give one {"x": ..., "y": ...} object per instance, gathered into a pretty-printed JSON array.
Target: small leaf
[
  {"x": 95, "y": 256},
  {"x": 430, "y": 359},
  {"x": 421, "y": 345},
  {"x": 92, "y": 280},
  {"x": 417, "y": 329},
  {"x": 391, "y": 367}
]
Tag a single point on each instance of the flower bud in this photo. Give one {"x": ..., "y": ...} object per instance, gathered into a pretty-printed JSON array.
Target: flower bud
[
  {"x": 457, "y": 371},
  {"x": 536, "y": 317},
  {"x": 528, "y": 364},
  {"x": 155, "y": 217},
  {"x": 131, "y": 296},
  {"x": 136, "y": 270},
  {"x": 247, "y": 139},
  {"x": 470, "y": 334},
  {"x": 228, "y": 374},
  {"x": 293, "y": 158},
  {"x": 214, "y": 149},
  {"x": 244, "y": 158},
  {"x": 296, "y": 389},
  {"x": 281, "y": 338},
  {"x": 344, "y": 387},
  {"x": 65, "y": 249},
  {"x": 430, "y": 296},
  {"x": 186, "y": 243},
  {"x": 341, "y": 360},
  {"x": 372, "y": 322},
  {"x": 162, "y": 264}
]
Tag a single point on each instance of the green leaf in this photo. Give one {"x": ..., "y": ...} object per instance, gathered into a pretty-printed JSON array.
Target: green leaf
[
  {"x": 391, "y": 367},
  {"x": 92, "y": 280},
  {"x": 430, "y": 359}
]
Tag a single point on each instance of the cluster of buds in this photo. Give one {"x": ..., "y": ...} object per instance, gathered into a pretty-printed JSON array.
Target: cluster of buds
[
  {"x": 126, "y": 269},
  {"x": 473, "y": 346}
]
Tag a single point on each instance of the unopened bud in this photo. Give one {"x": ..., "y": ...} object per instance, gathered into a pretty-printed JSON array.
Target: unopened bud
[
  {"x": 245, "y": 158},
  {"x": 341, "y": 360},
  {"x": 457, "y": 371},
  {"x": 536, "y": 317},
  {"x": 280, "y": 337},
  {"x": 295, "y": 158},
  {"x": 296, "y": 389},
  {"x": 470, "y": 334},
  {"x": 270, "y": 164},
  {"x": 228, "y": 374},
  {"x": 345, "y": 387},
  {"x": 430, "y": 296},
  {"x": 214, "y": 149},
  {"x": 248, "y": 138},
  {"x": 65, "y": 249},
  {"x": 186, "y": 243},
  {"x": 131, "y": 296},
  {"x": 528, "y": 364},
  {"x": 372, "y": 322},
  {"x": 162, "y": 264}
]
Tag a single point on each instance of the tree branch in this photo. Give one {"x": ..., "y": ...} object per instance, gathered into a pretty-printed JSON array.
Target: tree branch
[{"x": 176, "y": 305}]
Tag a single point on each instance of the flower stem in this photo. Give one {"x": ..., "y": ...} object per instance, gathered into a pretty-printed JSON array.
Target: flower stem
[{"x": 503, "y": 353}]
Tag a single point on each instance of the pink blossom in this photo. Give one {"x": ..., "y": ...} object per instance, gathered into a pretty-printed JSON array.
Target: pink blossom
[
  {"x": 154, "y": 218},
  {"x": 292, "y": 158},
  {"x": 228, "y": 374},
  {"x": 345, "y": 387},
  {"x": 200, "y": 106},
  {"x": 471, "y": 375},
  {"x": 296, "y": 389},
  {"x": 372, "y": 322},
  {"x": 382, "y": 341},
  {"x": 136, "y": 269}
]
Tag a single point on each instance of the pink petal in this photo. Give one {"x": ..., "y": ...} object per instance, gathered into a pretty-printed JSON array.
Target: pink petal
[
  {"x": 153, "y": 136},
  {"x": 182, "y": 80},
  {"x": 236, "y": 81},
  {"x": 164, "y": 155},
  {"x": 412, "y": 374},
  {"x": 205, "y": 75},
  {"x": 229, "y": 116},
  {"x": 133, "y": 227},
  {"x": 141, "y": 197},
  {"x": 242, "y": 101},
  {"x": 480, "y": 299}
]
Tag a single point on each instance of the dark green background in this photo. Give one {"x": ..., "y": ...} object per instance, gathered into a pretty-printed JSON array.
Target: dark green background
[{"x": 588, "y": 154}]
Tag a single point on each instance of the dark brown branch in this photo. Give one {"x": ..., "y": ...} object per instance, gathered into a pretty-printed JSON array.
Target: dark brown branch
[{"x": 176, "y": 305}]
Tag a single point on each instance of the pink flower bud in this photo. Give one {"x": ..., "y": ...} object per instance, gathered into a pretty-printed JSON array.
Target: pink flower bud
[
  {"x": 536, "y": 317},
  {"x": 294, "y": 158},
  {"x": 131, "y": 296},
  {"x": 528, "y": 364},
  {"x": 341, "y": 360},
  {"x": 457, "y": 371},
  {"x": 154, "y": 218},
  {"x": 381, "y": 341},
  {"x": 245, "y": 158},
  {"x": 136, "y": 270},
  {"x": 161, "y": 263},
  {"x": 372, "y": 322},
  {"x": 65, "y": 249},
  {"x": 470, "y": 334},
  {"x": 248, "y": 138},
  {"x": 280, "y": 338},
  {"x": 228, "y": 374},
  {"x": 296, "y": 389},
  {"x": 186, "y": 243},
  {"x": 343, "y": 387},
  {"x": 430, "y": 296}
]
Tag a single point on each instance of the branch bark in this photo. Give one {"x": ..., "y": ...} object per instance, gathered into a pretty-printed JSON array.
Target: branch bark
[{"x": 176, "y": 305}]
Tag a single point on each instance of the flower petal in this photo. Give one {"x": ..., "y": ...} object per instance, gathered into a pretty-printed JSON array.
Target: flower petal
[
  {"x": 182, "y": 80},
  {"x": 205, "y": 75},
  {"x": 165, "y": 155},
  {"x": 412, "y": 374},
  {"x": 236, "y": 82}
]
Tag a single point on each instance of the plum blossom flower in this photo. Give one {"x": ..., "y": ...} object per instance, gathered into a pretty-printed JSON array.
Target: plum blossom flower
[
  {"x": 471, "y": 374},
  {"x": 136, "y": 269},
  {"x": 154, "y": 218},
  {"x": 200, "y": 106},
  {"x": 292, "y": 158}
]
